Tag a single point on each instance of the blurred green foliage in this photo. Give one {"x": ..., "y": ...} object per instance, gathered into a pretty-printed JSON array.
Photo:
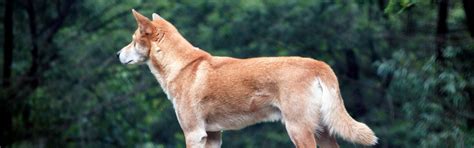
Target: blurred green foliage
[{"x": 384, "y": 53}]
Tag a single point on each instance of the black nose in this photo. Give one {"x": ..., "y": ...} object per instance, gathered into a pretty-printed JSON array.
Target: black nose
[{"x": 118, "y": 54}]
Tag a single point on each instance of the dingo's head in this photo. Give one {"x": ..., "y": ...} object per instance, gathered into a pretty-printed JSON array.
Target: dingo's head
[{"x": 138, "y": 50}]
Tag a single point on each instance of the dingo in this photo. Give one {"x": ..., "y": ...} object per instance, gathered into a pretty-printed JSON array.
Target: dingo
[{"x": 211, "y": 94}]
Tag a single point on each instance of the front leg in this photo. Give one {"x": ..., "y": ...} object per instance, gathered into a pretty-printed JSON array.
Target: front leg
[
  {"x": 214, "y": 139},
  {"x": 195, "y": 138},
  {"x": 192, "y": 125}
]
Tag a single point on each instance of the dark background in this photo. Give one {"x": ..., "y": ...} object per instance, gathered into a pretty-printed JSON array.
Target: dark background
[{"x": 405, "y": 67}]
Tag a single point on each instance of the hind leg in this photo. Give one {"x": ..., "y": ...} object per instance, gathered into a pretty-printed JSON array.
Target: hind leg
[
  {"x": 301, "y": 135},
  {"x": 300, "y": 117},
  {"x": 325, "y": 140}
]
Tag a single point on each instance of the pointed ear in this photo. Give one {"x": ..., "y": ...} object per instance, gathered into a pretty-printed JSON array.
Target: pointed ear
[
  {"x": 144, "y": 24},
  {"x": 156, "y": 16}
]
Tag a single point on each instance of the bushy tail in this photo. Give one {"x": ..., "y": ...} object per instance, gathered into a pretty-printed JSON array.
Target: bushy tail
[{"x": 338, "y": 121}]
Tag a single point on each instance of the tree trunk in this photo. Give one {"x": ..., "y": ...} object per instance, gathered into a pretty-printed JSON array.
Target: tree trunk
[
  {"x": 469, "y": 10},
  {"x": 441, "y": 30},
  {"x": 8, "y": 45},
  {"x": 410, "y": 23},
  {"x": 5, "y": 112},
  {"x": 352, "y": 65},
  {"x": 353, "y": 73},
  {"x": 33, "y": 71},
  {"x": 381, "y": 4}
]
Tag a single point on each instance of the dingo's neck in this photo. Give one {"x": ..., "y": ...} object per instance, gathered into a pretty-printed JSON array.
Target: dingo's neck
[{"x": 169, "y": 56}]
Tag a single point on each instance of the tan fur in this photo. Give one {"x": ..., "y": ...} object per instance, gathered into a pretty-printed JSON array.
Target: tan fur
[{"x": 211, "y": 94}]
